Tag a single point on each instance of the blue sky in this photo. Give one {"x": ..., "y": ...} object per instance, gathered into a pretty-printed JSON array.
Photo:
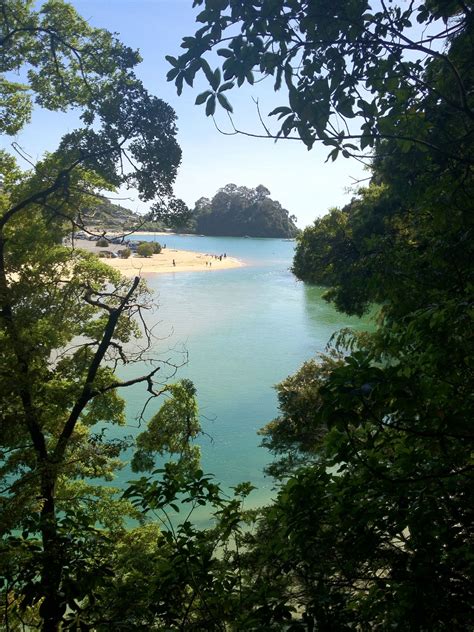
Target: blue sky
[{"x": 299, "y": 179}]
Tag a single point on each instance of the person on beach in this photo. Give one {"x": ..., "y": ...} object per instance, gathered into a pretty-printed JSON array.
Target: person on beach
[{"x": 174, "y": 263}]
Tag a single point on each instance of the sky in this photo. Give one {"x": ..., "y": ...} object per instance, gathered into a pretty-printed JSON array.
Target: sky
[{"x": 299, "y": 179}]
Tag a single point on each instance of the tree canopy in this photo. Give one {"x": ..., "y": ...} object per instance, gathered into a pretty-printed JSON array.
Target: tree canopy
[
  {"x": 372, "y": 525},
  {"x": 239, "y": 211},
  {"x": 352, "y": 73},
  {"x": 127, "y": 136},
  {"x": 67, "y": 321},
  {"x": 371, "y": 528}
]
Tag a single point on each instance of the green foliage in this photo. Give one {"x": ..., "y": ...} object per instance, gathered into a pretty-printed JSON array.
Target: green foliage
[
  {"x": 67, "y": 321},
  {"x": 352, "y": 73},
  {"x": 102, "y": 243},
  {"x": 106, "y": 216},
  {"x": 196, "y": 578},
  {"x": 145, "y": 249},
  {"x": 239, "y": 211},
  {"x": 69, "y": 64},
  {"x": 297, "y": 434},
  {"x": 354, "y": 249},
  {"x": 148, "y": 248},
  {"x": 375, "y": 532},
  {"x": 124, "y": 253},
  {"x": 171, "y": 430}
]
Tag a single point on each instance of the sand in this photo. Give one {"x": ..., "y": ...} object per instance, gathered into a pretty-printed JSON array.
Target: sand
[{"x": 185, "y": 260}]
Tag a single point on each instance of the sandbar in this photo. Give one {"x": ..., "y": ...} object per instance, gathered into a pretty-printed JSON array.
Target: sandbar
[{"x": 185, "y": 261}]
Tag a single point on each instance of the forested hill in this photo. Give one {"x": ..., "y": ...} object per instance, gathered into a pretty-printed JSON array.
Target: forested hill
[
  {"x": 239, "y": 211},
  {"x": 105, "y": 215}
]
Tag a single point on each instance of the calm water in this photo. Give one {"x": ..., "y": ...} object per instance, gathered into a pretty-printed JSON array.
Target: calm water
[{"x": 243, "y": 330}]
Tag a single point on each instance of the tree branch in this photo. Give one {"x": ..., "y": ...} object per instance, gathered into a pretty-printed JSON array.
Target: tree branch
[{"x": 87, "y": 391}]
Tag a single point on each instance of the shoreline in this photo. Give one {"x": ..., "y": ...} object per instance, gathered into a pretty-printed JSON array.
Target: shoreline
[
  {"x": 184, "y": 260},
  {"x": 143, "y": 233}
]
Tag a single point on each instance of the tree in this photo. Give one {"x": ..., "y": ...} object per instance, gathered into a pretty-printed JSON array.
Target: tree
[
  {"x": 240, "y": 211},
  {"x": 67, "y": 321},
  {"x": 171, "y": 431},
  {"x": 124, "y": 253},
  {"x": 374, "y": 532},
  {"x": 148, "y": 248},
  {"x": 297, "y": 434},
  {"x": 69, "y": 64},
  {"x": 351, "y": 73},
  {"x": 145, "y": 249}
]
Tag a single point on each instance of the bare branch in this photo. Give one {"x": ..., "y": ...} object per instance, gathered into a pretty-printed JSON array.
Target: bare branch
[{"x": 87, "y": 390}]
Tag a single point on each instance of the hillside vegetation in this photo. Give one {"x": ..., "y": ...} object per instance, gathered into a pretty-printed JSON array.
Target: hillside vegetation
[
  {"x": 242, "y": 212},
  {"x": 105, "y": 215}
]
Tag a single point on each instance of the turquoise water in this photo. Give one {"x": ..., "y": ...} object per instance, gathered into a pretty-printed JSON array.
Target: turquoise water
[{"x": 243, "y": 330}]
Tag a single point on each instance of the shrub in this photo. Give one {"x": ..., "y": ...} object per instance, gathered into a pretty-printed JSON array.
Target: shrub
[
  {"x": 156, "y": 248},
  {"x": 124, "y": 253},
  {"x": 102, "y": 243},
  {"x": 145, "y": 249}
]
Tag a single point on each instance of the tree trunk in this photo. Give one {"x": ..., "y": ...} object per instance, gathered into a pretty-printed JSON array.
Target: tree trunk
[{"x": 53, "y": 606}]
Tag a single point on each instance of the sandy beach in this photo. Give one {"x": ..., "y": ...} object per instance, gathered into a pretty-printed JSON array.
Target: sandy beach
[{"x": 185, "y": 261}]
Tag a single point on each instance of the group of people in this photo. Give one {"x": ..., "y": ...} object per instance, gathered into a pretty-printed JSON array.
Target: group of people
[{"x": 218, "y": 257}]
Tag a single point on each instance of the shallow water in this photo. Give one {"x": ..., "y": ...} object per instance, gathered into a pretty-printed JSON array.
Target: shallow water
[{"x": 243, "y": 330}]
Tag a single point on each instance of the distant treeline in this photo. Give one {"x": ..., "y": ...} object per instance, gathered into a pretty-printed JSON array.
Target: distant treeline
[{"x": 233, "y": 211}]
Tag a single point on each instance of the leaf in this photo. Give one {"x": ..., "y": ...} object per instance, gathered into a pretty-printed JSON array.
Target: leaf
[
  {"x": 288, "y": 125},
  {"x": 278, "y": 78},
  {"x": 188, "y": 42},
  {"x": 344, "y": 108},
  {"x": 226, "y": 86},
  {"x": 201, "y": 98},
  {"x": 203, "y": 16},
  {"x": 224, "y": 102},
  {"x": 215, "y": 79},
  {"x": 172, "y": 60},
  {"x": 211, "y": 105},
  {"x": 189, "y": 76},
  {"x": 366, "y": 141},
  {"x": 225, "y": 52},
  {"x": 333, "y": 154},
  {"x": 207, "y": 70},
  {"x": 282, "y": 110},
  {"x": 174, "y": 72}
]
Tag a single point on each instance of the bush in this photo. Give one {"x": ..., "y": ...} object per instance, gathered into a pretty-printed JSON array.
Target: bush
[
  {"x": 125, "y": 253},
  {"x": 156, "y": 248},
  {"x": 145, "y": 249},
  {"x": 102, "y": 243}
]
